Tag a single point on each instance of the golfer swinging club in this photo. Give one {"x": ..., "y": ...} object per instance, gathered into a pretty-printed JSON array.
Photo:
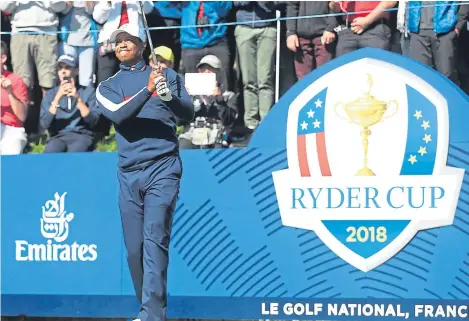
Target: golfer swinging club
[{"x": 142, "y": 103}]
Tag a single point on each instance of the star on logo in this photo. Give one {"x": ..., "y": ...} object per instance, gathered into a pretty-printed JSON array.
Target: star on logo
[
  {"x": 426, "y": 124},
  {"x": 422, "y": 150},
  {"x": 418, "y": 114},
  {"x": 310, "y": 114},
  {"x": 413, "y": 159},
  {"x": 318, "y": 103},
  {"x": 317, "y": 123},
  {"x": 427, "y": 138},
  {"x": 304, "y": 125}
]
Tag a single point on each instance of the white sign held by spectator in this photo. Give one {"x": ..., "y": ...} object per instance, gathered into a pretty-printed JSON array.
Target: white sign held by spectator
[{"x": 200, "y": 83}]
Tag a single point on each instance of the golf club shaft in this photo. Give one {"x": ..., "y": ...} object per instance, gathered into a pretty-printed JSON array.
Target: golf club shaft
[{"x": 145, "y": 23}]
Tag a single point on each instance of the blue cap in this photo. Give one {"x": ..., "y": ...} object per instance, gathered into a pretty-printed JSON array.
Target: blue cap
[{"x": 68, "y": 60}]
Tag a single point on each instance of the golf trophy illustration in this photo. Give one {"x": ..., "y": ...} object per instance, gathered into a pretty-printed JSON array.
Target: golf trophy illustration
[{"x": 366, "y": 111}]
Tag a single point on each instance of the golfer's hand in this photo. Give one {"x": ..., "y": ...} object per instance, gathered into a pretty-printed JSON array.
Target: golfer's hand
[
  {"x": 154, "y": 74},
  {"x": 157, "y": 81}
]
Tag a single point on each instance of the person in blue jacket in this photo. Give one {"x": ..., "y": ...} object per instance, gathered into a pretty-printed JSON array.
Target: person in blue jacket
[
  {"x": 199, "y": 42},
  {"x": 69, "y": 111},
  {"x": 434, "y": 30},
  {"x": 167, "y": 14},
  {"x": 143, "y": 104}
]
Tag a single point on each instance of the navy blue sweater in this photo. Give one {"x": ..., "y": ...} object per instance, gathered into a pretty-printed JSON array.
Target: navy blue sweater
[
  {"x": 145, "y": 124},
  {"x": 68, "y": 117}
]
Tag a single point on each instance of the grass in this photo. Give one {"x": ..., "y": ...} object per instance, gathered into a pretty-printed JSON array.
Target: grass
[
  {"x": 39, "y": 147},
  {"x": 108, "y": 143}
]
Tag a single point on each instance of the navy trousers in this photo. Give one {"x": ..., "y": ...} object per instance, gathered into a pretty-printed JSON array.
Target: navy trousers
[
  {"x": 147, "y": 199},
  {"x": 72, "y": 142}
]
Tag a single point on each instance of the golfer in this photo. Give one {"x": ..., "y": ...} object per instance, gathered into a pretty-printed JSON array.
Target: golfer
[{"x": 142, "y": 103}]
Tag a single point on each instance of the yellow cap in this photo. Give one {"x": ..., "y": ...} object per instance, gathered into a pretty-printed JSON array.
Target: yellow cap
[{"x": 165, "y": 53}]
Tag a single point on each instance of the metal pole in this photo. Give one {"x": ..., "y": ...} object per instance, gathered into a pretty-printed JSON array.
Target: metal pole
[{"x": 277, "y": 60}]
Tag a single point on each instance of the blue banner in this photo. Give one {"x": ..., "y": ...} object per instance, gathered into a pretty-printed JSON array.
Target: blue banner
[{"x": 351, "y": 202}]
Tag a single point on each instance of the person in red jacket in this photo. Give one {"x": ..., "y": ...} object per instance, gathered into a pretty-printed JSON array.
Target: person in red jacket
[
  {"x": 14, "y": 98},
  {"x": 364, "y": 24}
]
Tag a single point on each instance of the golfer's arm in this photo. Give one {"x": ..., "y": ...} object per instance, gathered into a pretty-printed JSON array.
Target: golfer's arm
[
  {"x": 181, "y": 104},
  {"x": 115, "y": 108}
]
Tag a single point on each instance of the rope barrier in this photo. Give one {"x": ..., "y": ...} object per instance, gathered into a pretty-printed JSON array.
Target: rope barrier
[{"x": 235, "y": 23}]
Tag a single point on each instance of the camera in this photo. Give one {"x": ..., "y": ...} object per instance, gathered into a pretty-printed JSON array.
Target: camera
[{"x": 206, "y": 132}]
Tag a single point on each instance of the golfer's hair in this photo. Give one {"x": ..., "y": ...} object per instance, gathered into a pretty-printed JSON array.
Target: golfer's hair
[{"x": 4, "y": 48}]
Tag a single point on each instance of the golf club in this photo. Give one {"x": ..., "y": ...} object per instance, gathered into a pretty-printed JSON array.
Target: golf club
[
  {"x": 153, "y": 56},
  {"x": 145, "y": 23}
]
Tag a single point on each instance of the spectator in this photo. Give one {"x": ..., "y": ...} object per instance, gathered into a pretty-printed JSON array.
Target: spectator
[
  {"x": 167, "y": 14},
  {"x": 34, "y": 51},
  {"x": 369, "y": 27},
  {"x": 34, "y": 48},
  {"x": 434, "y": 34},
  {"x": 164, "y": 56},
  {"x": 14, "y": 98},
  {"x": 6, "y": 28},
  {"x": 69, "y": 111},
  {"x": 215, "y": 115},
  {"x": 463, "y": 61},
  {"x": 196, "y": 43},
  {"x": 395, "y": 42},
  {"x": 311, "y": 40},
  {"x": 256, "y": 44},
  {"x": 401, "y": 25},
  {"x": 113, "y": 15},
  {"x": 81, "y": 44}
]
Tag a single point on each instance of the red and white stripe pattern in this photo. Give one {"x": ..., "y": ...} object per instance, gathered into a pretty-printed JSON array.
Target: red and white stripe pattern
[{"x": 311, "y": 143}]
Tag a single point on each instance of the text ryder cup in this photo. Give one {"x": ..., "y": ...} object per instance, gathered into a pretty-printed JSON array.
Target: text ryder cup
[
  {"x": 367, "y": 197},
  {"x": 55, "y": 252}
]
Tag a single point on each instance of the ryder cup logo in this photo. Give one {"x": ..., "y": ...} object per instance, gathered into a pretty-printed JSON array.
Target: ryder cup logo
[{"x": 367, "y": 145}]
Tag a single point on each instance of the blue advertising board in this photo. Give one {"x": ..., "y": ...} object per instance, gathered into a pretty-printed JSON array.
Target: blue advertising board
[{"x": 351, "y": 202}]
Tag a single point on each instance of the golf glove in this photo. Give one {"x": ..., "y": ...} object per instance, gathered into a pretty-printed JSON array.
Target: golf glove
[{"x": 162, "y": 89}]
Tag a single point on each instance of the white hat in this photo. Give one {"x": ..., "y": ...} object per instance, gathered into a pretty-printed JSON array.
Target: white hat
[
  {"x": 131, "y": 29},
  {"x": 210, "y": 60}
]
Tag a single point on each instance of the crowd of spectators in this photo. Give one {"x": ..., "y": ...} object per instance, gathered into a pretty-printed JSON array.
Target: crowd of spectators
[{"x": 59, "y": 51}]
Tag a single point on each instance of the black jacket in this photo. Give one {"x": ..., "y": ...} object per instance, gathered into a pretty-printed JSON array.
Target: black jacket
[
  {"x": 250, "y": 11},
  {"x": 223, "y": 108},
  {"x": 312, "y": 27}
]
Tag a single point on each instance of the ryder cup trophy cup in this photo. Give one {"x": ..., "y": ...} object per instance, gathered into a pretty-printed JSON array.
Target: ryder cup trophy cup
[{"x": 366, "y": 111}]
